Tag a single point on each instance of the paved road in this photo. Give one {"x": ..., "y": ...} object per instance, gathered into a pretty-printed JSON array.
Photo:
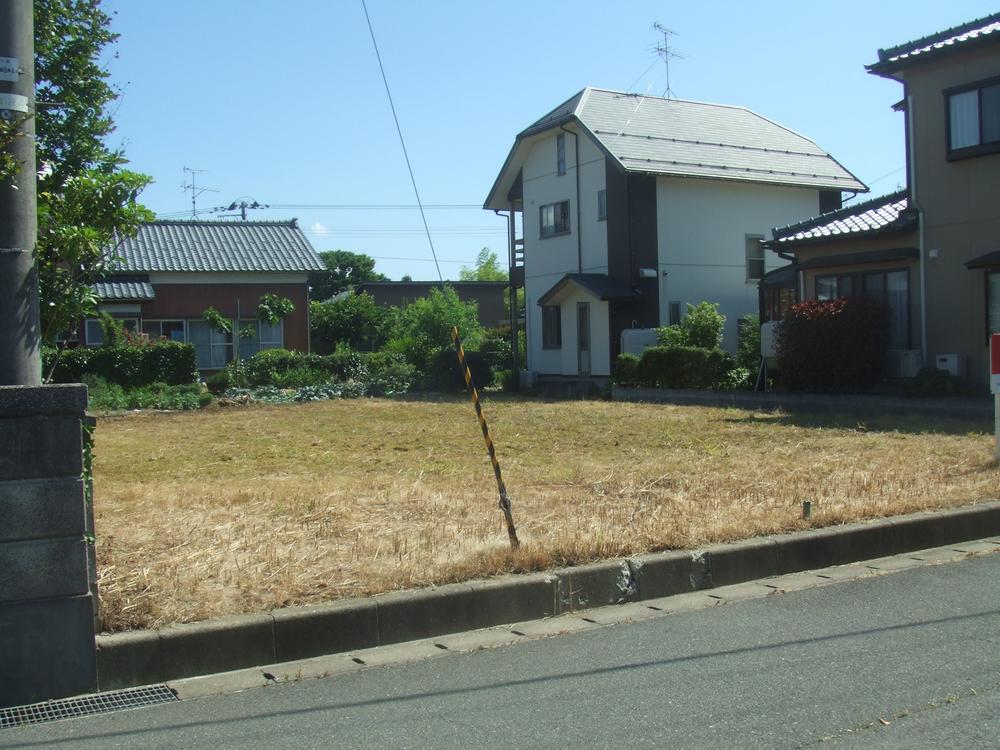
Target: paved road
[{"x": 919, "y": 649}]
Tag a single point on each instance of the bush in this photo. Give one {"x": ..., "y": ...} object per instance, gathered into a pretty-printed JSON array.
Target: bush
[
  {"x": 748, "y": 343},
  {"x": 355, "y": 320},
  {"x": 682, "y": 367},
  {"x": 219, "y": 382},
  {"x": 495, "y": 349},
  {"x": 422, "y": 329},
  {"x": 107, "y": 396},
  {"x": 625, "y": 367},
  {"x": 134, "y": 365},
  {"x": 445, "y": 375},
  {"x": 701, "y": 327},
  {"x": 933, "y": 383},
  {"x": 380, "y": 373},
  {"x": 833, "y": 346}
]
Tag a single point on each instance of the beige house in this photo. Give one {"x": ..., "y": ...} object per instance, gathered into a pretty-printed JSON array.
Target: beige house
[{"x": 932, "y": 251}]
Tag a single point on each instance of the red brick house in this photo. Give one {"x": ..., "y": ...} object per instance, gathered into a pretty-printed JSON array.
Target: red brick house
[{"x": 172, "y": 271}]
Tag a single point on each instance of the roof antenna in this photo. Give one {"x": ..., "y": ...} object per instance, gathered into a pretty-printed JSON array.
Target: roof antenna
[
  {"x": 664, "y": 51},
  {"x": 242, "y": 204},
  {"x": 195, "y": 190}
]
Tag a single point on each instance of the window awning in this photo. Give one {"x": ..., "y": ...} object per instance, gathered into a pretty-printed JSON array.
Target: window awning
[
  {"x": 857, "y": 259},
  {"x": 984, "y": 261},
  {"x": 599, "y": 285}
]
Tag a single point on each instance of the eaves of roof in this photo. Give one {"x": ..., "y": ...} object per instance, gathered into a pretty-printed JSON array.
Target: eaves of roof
[
  {"x": 970, "y": 35},
  {"x": 599, "y": 285},
  {"x": 883, "y": 215}
]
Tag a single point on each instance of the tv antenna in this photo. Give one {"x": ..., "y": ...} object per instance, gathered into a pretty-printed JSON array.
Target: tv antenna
[
  {"x": 242, "y": 204},
  {"x": 664, "y": 50},
  {"x": 195, "y": 190}
]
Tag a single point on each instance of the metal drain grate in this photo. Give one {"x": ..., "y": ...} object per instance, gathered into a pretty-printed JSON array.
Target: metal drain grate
[{"x": 85, "y": 705}]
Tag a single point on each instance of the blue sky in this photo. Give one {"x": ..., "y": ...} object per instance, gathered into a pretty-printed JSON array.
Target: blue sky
[{"x": 283, "y": 103}]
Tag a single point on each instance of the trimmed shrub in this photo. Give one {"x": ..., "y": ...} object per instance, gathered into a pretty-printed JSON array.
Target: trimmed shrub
[
  {"x": 355, "y": 319},
  {"x": 625, "y": 367},
  {"x": 385, "y": 374},
  {"x": 933, "y": 383},
  {"x": 134, "y": 365},
  {"x": 378, "y": 373},
  {"x": 219, "y": 382},
  {"x": 682, "y": 367},
  {"x": 834, "y": 346},
  {"x": 107, "y": 396}
]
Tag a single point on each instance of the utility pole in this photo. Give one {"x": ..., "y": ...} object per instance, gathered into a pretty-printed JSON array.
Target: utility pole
[{"x": 20, "y": 330}]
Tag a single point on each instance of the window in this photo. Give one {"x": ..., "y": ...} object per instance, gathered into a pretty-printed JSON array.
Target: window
[
  {"x": 212, "y": 348},
  {"x": 673, "y": 313},
  {"x": 561, "y": 153},
  {"x": 777, "y": 302},
  {"x": 265, "y": 336},
  {"x": 974, "y": 120},
  {"x": 554, "y": 219},
  {"x": 755, "y": 257},
  {"x": 164, "y": 329},
  {"x": 95, "y": 334},
  {"x": 993, "y": 302},
  {"x": 602, "y": 205},
  {"x": 892, "y": 288},
  {"x": 551, "y": 327}
]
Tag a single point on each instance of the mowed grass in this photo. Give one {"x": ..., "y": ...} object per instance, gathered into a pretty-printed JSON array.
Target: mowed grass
[{"x": 211, "y": 513}]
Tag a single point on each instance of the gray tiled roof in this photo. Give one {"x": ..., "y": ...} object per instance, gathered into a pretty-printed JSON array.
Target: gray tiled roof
[
  {"x": 693, "y": 139},
  {"x": 654, "y": 135},
  {"x": 981, "y": 30},
  {"x": 219, "y": 246},
  {"x": 884, "y": 214},
  {"x": 124, "y": 291}
]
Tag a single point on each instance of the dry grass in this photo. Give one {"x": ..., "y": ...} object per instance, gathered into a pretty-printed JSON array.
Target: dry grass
[{"x": 221, "y": 512}]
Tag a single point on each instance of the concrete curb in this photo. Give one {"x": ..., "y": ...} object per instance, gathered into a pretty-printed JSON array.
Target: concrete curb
[
  {"x": 862, "y": 405},
  {"x": 179, "y": 651}
]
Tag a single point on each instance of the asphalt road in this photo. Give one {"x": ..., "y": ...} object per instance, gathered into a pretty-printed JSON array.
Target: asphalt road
[{"x": 905, "y": 660}]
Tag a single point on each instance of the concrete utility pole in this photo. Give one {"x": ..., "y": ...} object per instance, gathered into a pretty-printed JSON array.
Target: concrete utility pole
[{"x": 20, "y": 335}]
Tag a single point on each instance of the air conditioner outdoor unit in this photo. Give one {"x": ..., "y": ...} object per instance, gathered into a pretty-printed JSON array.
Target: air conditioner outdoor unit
[
  {"x": 637, "y": 340},
  {"x": 903, "y": 363},
  {"x": 956, "y": 365},
  {"x": 768, "y": 335}
]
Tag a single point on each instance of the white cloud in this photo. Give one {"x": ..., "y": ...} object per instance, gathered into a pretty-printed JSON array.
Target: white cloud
[{"x": 318, "y": 228}]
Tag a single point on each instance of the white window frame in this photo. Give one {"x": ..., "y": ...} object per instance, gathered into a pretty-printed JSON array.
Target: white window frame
[
  {"x": 602, "y": 205},
  {"x": 549, "y": 216},
  {"x": 755, "y": 255}
]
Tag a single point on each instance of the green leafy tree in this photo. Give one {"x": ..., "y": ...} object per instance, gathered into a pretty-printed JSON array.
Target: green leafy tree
[
  {"x": 701, "y": 327},
  {"x": 422, "y": 328},
  {"x": 344, "y": 270},
  {"x": 87, "y": 202},
  {"x": 354, "y": 319},
  {"x": 487, "y": 268}
]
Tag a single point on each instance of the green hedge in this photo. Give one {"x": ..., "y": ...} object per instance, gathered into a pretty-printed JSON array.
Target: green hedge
[
  {"x": 381, "y": 373},
  {"x": 675, "y": 367},
  {"x": 130, "y": 366}
]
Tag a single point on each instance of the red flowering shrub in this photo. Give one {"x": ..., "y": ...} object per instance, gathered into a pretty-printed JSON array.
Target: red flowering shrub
[{"x": 833, "y": 346}]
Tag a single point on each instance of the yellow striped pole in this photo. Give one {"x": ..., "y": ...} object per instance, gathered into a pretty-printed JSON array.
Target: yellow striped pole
[{"x": 474, "y": 394}]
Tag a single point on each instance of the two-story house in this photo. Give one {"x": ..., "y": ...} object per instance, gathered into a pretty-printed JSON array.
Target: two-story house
[
  {"x": 931, "y": 251},
  {"x": 629, "y": 207}
]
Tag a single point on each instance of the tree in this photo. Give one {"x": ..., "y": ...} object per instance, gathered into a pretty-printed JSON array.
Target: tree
[
  {"x": 344, "y": 270},
  {"x": 86, "y": 201},
  {"x": 487, "y": 268},
  {"x": 354, "y": 319},
  {"x": 422, "y": 328}
]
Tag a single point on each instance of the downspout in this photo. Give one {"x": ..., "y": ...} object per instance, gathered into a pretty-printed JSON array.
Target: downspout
[
  {"x": 921, "y": 239},
  {"x": 579, "y": 227},
  {"x": 512, "y": 297}
]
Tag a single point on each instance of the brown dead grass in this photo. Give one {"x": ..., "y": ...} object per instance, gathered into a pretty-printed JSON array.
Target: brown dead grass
[{"x": 222, "y": 512}]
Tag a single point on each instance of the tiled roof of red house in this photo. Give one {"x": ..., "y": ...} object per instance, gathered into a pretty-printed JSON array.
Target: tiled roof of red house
[{"x": 187, "y": 246}]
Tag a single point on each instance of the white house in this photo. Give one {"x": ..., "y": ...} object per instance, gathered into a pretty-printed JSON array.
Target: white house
[{"x": 629, "y": 207}]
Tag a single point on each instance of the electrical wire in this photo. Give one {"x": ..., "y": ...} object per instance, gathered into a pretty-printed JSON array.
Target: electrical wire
[{"x": 402, "y": 143}]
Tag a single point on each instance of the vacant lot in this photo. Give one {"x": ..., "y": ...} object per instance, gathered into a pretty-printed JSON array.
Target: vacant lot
[{"x": 212, "y": 513}]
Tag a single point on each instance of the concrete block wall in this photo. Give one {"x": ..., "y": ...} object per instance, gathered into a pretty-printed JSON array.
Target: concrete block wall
[{"x": 47, "y": 569}]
